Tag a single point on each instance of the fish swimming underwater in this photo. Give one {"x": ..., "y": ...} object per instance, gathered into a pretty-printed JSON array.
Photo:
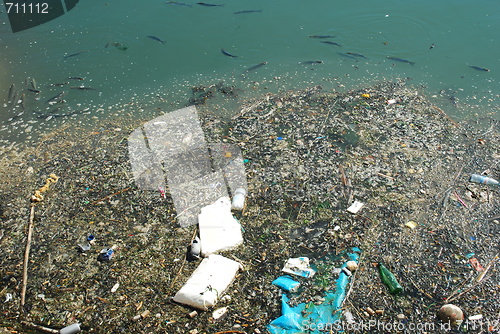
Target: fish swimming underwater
[
  {"x": 256, "y": 66},
  {"x": 82, "y": 88},
  {"x": 321, "y": 36},
  {"x": 53, "y": 99},
  {"x": 248, "y": 11},
  {"x": 346, "y": 55},
  {"x": 308, "y": 62},
  {"x": 178, "y": 3},
  {"x": 359, "y": 55},
  {"x": 401, "y": 60},
  {"x": 75, "y": 54},
  {"x": 11, "y": 93},
  {"x": 477, "y": 68},
  {"x": 156, "y": 39},
  {"x": 331, "y": 43},
  {"x": 208, "y": 4},
  {"x": 224, "y": 52}
]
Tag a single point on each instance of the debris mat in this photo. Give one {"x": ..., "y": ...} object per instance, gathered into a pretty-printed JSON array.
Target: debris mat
[{"x": 308, "y": 156}]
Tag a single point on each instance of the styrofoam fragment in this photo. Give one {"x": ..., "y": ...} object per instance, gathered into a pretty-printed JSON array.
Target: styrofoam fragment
[{"x": 355, "y": 207}]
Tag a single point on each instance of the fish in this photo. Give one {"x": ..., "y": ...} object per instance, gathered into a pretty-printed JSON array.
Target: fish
[
  {"x": 208, "y": 4},
  {"x": 248, "y": 11},
  {"x": 21, "y": 101},
  {"x": 477, "y": 68},
  {"x": 48, "y": 118},
  {"x": 401, "y": 60},
  {"x": 119, "y": 46},
  {"x": 453, "y": 100},
  {"x": 356, "y": 55},
  {"x": 13, "y": 98},
  {"x": 156, "y": 39},
  {"x": 60, "y": 84},
  {"x": 36, "y": 91},
  {"x": 82, "y": 88},
  {"x": 331, "y": 43},
  {"x": 321, "y": 36},
  {"x": 33, "y": 84},
  {"x": 11, "y": 93},
  {"x": 178, "y": 3},
  {"x": 346, "y": 55},
  {"x": 16, "y": 116},
  {"x": 39, "y": 114},
  {"x": 256, "y": 66},
  {"x": 56, "y": 110},
  {"x": 75, "y": 78},
  {"x": 224, "y": 52},
  {"x": 116, "y": 45},
  {"x": 311, "y": 62},
  {"x": 75, "y": 112},
  {"x": 76, "y": 54},
  {"x": 56, "y": 97}
]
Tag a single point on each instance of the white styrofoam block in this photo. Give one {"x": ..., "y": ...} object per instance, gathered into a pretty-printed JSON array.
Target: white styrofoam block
[
  {"x": 208, "y": 282},
  {"x": 355, "y": 207},
  {"x": 219, "y": 230}
]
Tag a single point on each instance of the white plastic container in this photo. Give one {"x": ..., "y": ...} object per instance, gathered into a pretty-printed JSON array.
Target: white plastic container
[
  {"x": 239, "y": 199},
  {"x": 71, "y": 329},
  {"x": 209, "y": 281},
  {"x": 219, "y": 230}
]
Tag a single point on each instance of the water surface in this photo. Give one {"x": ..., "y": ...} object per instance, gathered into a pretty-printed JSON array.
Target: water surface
[{"x": 439, "y": 40}]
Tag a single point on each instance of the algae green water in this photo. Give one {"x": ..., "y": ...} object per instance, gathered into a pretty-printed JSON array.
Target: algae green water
[{"x": 441, "y": 46}]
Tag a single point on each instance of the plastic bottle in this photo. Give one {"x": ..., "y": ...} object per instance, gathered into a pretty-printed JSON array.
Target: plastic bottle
[
  {"x": 389, "y": 280},
  {"x": 484, "y": 180},
  {"x": 195, "y": 249},
  {"x": 239, "y": 199}
]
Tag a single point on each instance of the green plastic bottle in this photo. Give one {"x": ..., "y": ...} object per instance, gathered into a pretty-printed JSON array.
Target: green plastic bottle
[{"x": 389, "y": 280}]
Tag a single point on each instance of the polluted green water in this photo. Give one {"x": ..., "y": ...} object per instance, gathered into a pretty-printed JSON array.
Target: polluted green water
[{"x": 126, "y": 51}]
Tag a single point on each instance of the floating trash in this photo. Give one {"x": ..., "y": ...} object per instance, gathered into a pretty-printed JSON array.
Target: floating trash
[
  {"x": 299, "y": 266},
  {"x": 484, "y": 180},
  {"x": 71, "y": 329},
  {"x": 355, "y": 207},
  {"x": 309, "y": 317},
  {"x": 286, "y": 283},
  {"x": 406, "y": 160},
  {"x": 450, "y": 313},
  {"x": 389, "y": 280},
  {"x": 219, "y": 230},
  {"x": 106, "y": 254},
  {"x": 208, "y": 282}
]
